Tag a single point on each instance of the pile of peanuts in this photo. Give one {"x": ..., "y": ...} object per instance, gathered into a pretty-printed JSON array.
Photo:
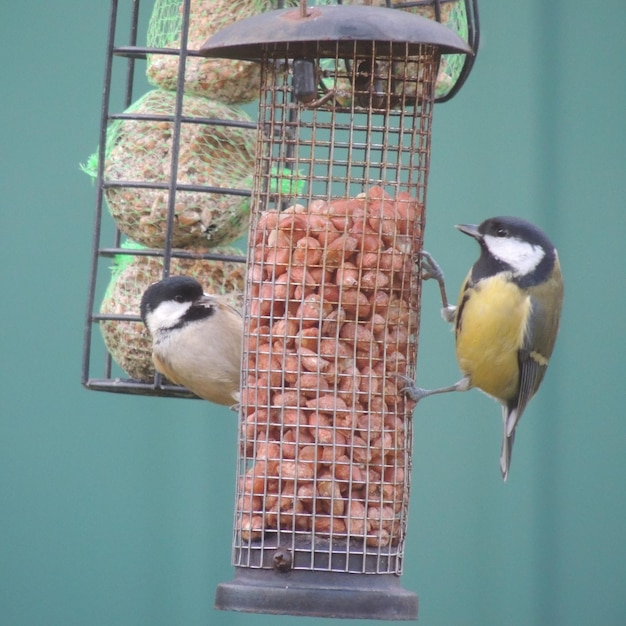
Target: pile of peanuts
[{"x": 331, "y": 321}]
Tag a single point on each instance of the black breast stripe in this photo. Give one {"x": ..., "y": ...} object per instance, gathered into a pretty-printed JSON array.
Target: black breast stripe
[{"x": 195, "y": 313}]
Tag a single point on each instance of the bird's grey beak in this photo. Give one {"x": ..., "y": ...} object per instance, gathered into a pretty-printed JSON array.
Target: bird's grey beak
[
  {"x": 206, "y": 299},
  {"x": 470, "y": 229},
  {"x": 211, "y": 300}
]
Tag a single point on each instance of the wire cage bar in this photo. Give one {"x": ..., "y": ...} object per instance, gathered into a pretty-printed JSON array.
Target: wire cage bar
[{"x": 331, "y": 307}]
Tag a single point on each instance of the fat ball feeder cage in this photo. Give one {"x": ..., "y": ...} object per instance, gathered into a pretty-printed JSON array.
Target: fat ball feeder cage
[
  {"x": 331, "y": 307},
  {"x": 174, "y": 169}
]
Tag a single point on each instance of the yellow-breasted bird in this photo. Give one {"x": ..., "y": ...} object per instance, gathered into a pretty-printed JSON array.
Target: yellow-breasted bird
[{"x": 506, "y": 319}]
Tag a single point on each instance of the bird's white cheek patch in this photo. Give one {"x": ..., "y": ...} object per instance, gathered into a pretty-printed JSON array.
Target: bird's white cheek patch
[
  {"x": 520, "y": 255},
  {"x": 166, "y": 315}
]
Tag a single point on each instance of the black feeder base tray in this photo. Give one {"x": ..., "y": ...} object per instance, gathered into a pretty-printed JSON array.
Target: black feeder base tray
[{"x": 317, "y": 594}]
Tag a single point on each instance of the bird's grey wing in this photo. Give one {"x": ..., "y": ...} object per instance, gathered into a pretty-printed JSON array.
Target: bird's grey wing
[
  {"x": 533, "y": 357},
  {"x": 532, "y": 367}
]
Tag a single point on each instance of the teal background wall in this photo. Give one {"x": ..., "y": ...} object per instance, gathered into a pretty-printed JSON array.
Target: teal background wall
[{"x": 118, "y": 510}]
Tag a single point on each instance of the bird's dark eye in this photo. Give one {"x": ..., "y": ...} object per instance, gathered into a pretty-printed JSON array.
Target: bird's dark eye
[
  {"x": 502, "y": 232},
  {"x": 179, "y": 298}
]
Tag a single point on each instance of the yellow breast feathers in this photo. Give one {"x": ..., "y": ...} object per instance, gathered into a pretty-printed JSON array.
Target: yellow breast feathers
[{"x": 491, "y": 323}]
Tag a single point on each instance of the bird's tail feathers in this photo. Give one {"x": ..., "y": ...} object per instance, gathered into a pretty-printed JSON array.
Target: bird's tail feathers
[
  {"x": 507, "y": 446},
  {"x": 510, "y": 421}
]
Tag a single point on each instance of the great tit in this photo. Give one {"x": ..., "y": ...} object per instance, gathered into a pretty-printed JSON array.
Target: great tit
[
  {"x": 506, "y": 319},
  {"x": 196, "y": 338}
]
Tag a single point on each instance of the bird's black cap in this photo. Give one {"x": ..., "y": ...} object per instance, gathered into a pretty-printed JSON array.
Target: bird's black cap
[
  {"x": 515, "y": 227},
  {"x": 179, "y": 288}
]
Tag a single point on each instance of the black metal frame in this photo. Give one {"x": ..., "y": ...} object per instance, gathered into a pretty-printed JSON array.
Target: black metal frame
[{"x": 133, "y": 53}]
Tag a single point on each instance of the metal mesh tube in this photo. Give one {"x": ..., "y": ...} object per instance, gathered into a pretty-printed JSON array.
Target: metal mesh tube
[{"x": 331, "y": 316}]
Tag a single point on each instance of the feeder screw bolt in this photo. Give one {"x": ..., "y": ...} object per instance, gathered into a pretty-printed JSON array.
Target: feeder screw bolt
[{"x": 282, "y": 560}]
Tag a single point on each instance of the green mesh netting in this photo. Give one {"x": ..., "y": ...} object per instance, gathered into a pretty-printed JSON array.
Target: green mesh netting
[
  {"x": 210, "y": 155},
  {"x": 129, "y": 343},
  {"x": 221, "y": 79}
]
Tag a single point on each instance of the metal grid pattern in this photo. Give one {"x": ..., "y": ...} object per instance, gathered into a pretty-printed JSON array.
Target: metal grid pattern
[
  {"x": 466, "y": 24},
  {"x": 331, "y": 316}
]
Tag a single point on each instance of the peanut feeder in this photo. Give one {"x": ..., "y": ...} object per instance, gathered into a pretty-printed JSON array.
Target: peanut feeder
[{"x": 331, "y": 306}]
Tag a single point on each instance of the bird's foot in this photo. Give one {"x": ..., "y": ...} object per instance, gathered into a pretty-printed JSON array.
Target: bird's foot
[
  {"x": 430, "y": 268},
  {"x": 411, "y": 390}
]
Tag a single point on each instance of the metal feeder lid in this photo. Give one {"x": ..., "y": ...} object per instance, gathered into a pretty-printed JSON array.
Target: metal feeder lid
[{"x": 327, "y": 31}]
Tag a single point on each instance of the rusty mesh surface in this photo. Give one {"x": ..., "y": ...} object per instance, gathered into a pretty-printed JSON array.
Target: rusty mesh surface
[{"x": 331, "y": 316}]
